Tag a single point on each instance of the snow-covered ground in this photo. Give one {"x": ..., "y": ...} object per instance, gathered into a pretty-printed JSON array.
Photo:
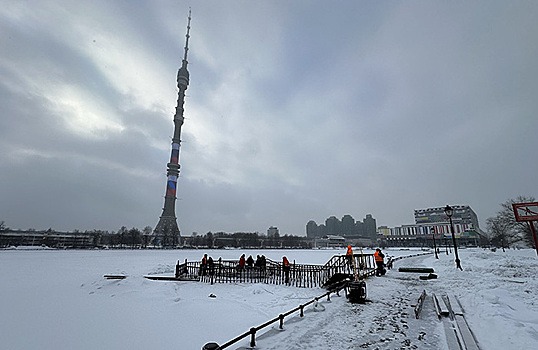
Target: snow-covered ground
[{"x": 53, "y": 299}]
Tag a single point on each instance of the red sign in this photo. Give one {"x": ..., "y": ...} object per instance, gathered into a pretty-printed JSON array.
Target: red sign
[{"x": 526, "y": 211}]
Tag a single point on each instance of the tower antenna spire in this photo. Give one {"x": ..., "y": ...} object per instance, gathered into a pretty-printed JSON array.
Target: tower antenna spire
[{"x": 187, "y": 36}]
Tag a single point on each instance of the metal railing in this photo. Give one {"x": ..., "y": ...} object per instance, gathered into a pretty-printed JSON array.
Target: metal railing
[{"x": 280, "y": 318}]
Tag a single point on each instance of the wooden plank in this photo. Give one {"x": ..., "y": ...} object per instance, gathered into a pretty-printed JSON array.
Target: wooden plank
[
  {"x": 466, "y": 334},
  {"x": 420, "y": 302},
  {"x": 172, "y": 278},
  {"x": 114, "y": 277},
  {"x": 416, "y": 269},
  {"x": 444, "y": 306},
  {"x": 451, "y": 334},
  {"x": 436, "y": 305},
  {"x": 455, "y": 305}
]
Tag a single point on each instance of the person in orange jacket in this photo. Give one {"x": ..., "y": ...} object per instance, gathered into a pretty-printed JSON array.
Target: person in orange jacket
[
  {"x": 379, "y": 256},
  {"x": 203, "y": 266},
  {"x": 241, "y": 264},
  {"x": 286, "y": 268},
  {"x": 349, "y": 255}
]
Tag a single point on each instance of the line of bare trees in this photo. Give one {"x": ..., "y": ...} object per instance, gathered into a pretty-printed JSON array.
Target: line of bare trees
[
  {"x": 123, "y": 238},
  {"x": 246, "y": 240},
  {"x": 135, "y": 238}
]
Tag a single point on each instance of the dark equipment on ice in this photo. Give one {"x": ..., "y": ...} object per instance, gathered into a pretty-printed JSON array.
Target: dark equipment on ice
[
  {"x": 431, "y": 276},
  {"x": 337, "y": 281},
  {"x": 357, "y": 292},
  {"x": 356, "y": 289}
]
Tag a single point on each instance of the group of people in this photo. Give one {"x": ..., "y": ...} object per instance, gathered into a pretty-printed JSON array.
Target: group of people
[
  {"x": 249, "y": 262},
  {"x": 207, "y": 265},
  {"x": 261, "y": 263}
]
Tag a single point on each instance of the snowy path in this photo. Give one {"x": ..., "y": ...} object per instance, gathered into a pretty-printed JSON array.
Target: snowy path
[{"x": 386, "y": 322}]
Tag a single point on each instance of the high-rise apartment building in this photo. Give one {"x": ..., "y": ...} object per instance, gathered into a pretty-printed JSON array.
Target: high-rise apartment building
[
  {"x": 463, "y": 215},
  {"x": 348, "y": 225},
  {"x": 272, "y": 232},
  {"x": 333, "y": 226},
  {"x": 370, "y": 226}
]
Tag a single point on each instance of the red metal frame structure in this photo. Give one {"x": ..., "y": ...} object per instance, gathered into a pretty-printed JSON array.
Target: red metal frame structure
[{"x": 527, "y": 212}]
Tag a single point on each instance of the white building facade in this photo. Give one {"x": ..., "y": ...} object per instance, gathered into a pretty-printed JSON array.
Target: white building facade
[{"x": 433, "y": 223}]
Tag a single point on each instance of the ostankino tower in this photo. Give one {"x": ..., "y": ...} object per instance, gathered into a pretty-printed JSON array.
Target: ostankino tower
[{"x": 166, "y": 232}]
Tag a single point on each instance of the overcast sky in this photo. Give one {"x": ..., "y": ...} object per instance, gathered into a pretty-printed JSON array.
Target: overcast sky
[{"x": 296, "y": 111}]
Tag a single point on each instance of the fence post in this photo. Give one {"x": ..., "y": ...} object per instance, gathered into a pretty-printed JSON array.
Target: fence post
[
  {"x": 177, "y": 269},
  {"x": 253, "y": 337},
  {"x": 302, "y": 313},
  {"x": 281, "y": 317}
]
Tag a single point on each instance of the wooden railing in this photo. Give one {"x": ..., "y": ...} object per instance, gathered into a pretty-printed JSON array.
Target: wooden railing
[
  {"x": 299, "y": 275},
  {"x": 342, "y": 264}
]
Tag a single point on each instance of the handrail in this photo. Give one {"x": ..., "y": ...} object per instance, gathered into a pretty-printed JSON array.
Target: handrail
[{"x": 252, "y": 331}]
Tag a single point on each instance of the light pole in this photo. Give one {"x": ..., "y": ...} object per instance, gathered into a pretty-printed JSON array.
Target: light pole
[
  {"x": 449, "y": 211},
  {"x": 434, "y": 245}
]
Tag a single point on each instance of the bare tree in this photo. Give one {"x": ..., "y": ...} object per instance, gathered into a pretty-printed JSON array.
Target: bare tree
[
  {"x": 501, "y": 233},
  {"x": 122, "y": 232},
  {"x": 503, "y": 227},
  {"x": 134, "y": 237},
  {"x": 146, "y": 233}
]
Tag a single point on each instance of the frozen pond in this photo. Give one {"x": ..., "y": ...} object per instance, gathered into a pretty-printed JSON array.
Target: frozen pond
[{"x": 52, "y": 299}]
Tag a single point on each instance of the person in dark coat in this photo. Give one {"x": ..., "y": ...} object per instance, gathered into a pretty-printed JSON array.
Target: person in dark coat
[
  {"x": 203, "y": 266},
  {"x": 263, "y": 263},
  {"x": 211, "y": 265},
  {"x": 250, "y": 262}
]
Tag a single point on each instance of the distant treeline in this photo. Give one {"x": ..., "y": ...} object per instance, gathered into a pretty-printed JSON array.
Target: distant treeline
[
  {"x": 123, "y": 238},
  {"x": 135, "y": 238},
  {"x": 247, "y": 240}
]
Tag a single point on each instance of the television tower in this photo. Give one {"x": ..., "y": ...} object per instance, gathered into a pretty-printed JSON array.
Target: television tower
[{"x": 167, "y": 232}]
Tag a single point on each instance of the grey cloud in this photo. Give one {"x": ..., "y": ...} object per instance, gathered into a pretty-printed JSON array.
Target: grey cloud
[{"x": 294, "y": 112}]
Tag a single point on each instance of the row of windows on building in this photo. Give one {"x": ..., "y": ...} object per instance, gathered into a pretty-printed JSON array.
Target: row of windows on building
[
  {"x": 423, "y": 230},
  {"x": 434, "y": 221}
]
